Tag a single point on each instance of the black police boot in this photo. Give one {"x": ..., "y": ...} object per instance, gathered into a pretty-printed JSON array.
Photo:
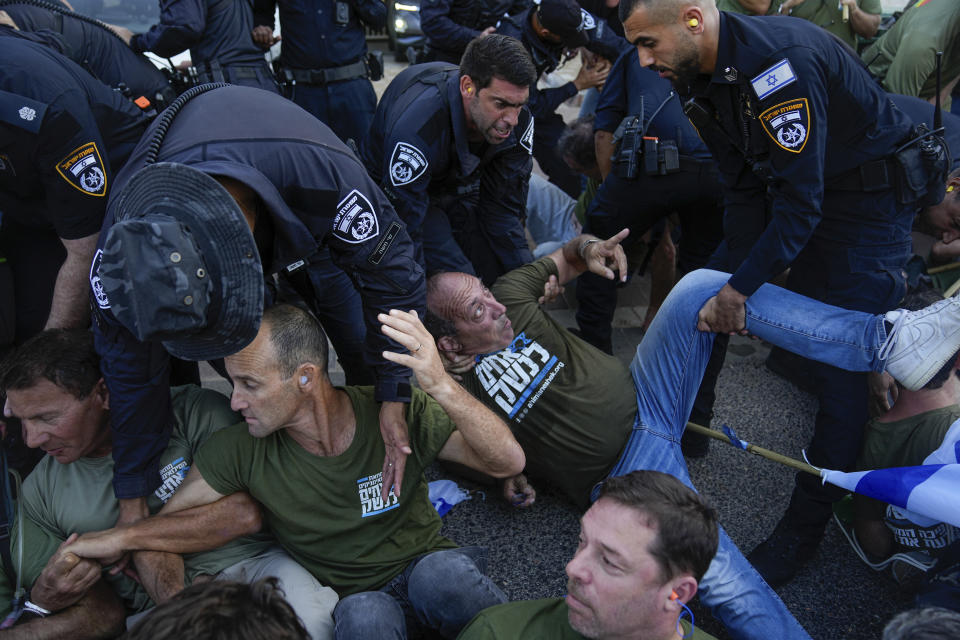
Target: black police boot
[
  {"x": 793, "y": 368},
  {"x": 794, "y": 540}
]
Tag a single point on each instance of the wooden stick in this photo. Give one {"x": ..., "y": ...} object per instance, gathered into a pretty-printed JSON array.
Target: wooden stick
[
  {"x": 944, "y": 267},
  {"x": 754, "y": 449}
]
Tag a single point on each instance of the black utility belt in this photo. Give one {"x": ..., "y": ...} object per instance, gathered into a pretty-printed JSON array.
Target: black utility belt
[
  {"x": 216, "y": 72},
  {"x": 357, "y": 69}
]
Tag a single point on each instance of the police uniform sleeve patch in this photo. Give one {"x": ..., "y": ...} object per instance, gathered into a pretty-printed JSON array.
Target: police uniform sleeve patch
[
  {"x": 407, "y": 163},
  {"x": 83, "y": 169},
  {"x": 356, "y": 220},
  {"x": 21, "y": 112},
  {"x": 526, "y": 140},
  {"x": 773, "y": 79},
  {"x": 95, "y": 284},
  {"x": 788, "y": 124},
  {"x": 586, "y": 21}
]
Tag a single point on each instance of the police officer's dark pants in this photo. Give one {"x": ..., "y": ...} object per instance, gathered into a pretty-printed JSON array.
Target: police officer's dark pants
[
  {"x": 638, "y": 205},
  {"x": 34, "y": 257},
  {"x": 546, "y": 131},
  {"x": 347, "y": 107},
  {"x": 866, "y": 277},
  {"x": 339, "y": 308}
]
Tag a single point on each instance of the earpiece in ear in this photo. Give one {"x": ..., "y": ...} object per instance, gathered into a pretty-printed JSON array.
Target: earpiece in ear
[
  {"x": 950, "y": 189},
  {"x": 303, "y": 379},
  {"x": 674, "y": 595},
  {"x": 693, "y": 22}
]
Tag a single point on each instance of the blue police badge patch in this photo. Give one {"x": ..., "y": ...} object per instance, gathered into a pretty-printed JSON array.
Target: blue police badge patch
[
  {"x": 95, "y": 285},
  {"x": 356, "y": 221},
  {"x": 773, "y": 79},
  {"x": 526, "y": 140},
  {"x": 586, "y": 21},
  {"x": 83, "y": 169},
  {"x": 406, "y": 164},
  {"x": 788, "y": 123}
]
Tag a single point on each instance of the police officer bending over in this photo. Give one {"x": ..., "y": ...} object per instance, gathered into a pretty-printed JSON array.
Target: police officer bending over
[
  {"x": 63, "y": 134},
  {"x": 767, "y": 90},
  {"x": 95, "y": 47},
  {"x": 324, "y": 62},
  {"x": 296, "y": 186},
  {"x": 451, "y": 149},
  {"x": 219, "y": 34}
]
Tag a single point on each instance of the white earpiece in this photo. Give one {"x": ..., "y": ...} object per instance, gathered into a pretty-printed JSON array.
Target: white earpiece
[{"x": 303, "y": 379}]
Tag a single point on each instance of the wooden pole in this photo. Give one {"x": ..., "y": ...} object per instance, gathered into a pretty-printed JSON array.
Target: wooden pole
[{"x": 754, "y": 449}]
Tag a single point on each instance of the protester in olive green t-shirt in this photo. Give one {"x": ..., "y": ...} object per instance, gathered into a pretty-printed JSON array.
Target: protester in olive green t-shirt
[
  {"x": 312, "y": 456},
  {"x": 863, "y": 16},
  {"x": 644, "y": 546},
  {"x": 53, "y": 383},
  {"x": 904, "y": 58}
]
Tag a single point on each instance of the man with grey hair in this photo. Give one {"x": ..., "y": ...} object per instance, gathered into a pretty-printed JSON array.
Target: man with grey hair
[{"x": 932, "y": 623}]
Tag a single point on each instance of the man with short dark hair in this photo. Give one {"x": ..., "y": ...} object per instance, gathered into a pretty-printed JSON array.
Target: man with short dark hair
[
  {"x": 54, "y": 385},
  {"x": 644, "y": 545},
  {"x": 582, "y": 417},
  {"x": 452, "y": 149},
  {"x": 312, "y": 456}
]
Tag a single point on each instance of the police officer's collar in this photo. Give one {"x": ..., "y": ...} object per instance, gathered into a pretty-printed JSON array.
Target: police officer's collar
[{"x": 726, "y": 71}]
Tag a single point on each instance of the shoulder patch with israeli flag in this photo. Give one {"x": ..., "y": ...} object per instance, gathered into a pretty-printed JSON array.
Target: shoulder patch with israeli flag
[
  {"x": 788, "y": 124},
  {"x": 83, "y": 169},
  {"x": 773, "y": 79},
  {"x": 356, "y": 221},
  {"x": 526, "y": 140},
  {"x": 407, "y": 163},
  {"x": 586, "y": 21}
]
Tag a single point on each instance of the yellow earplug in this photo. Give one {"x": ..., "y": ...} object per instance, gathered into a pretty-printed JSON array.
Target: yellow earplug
[
  {"x": 693, "y": 22},
  {"x": 950, "y": 189}
]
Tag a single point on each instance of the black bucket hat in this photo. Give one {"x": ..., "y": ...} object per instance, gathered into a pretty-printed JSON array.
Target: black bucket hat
[{"x": 180, "y": 264}]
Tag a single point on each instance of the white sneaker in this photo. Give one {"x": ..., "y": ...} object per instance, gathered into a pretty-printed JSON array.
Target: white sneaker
[{"x": 921, "y": 342}]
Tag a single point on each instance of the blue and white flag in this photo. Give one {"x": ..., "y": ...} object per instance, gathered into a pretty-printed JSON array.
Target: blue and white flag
[{"x": 931, "y": 490}]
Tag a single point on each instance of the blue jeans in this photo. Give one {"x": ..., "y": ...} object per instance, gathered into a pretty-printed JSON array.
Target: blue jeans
[
  {"x": 441, "y": 591},
  {"x": 667, "y": 370}
]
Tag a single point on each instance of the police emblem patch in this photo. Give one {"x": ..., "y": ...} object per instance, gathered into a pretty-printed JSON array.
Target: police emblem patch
[
  {"x": 526, "y": 140},
  {"x": 95, "y": 285},
  {"x": 586, "y": 21},
  {"x": 788, "y": 123},
  {"x": 406, "y": 164},
  {"x": 356, "y": 221},
  {"x": 28, "y": 114},
  {"x": 773, "y": 79},
  {"x": 83, "y": 169}
]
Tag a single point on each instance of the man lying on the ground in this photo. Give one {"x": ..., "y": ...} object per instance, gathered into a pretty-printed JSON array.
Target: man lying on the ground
[
  {"x": 54, "y": 385},
  {"x": 581, "y": 418},
  {"x": 312, "y": 455},
  {"x": 644, "y": 545}
]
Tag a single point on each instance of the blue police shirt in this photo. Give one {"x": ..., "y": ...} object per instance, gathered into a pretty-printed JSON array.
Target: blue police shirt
[
  {"x": 921, "y": 111},
  {"x": 631, "y": 89},
  {"x": 63, "y": 134},
  {"x": 307, "y": 179},
  {"x": 546, "y": 55},
  {"x": 212, "y": 29},
  {"x": 800, "y": 107},
  {"x": 419, "y": 152},
  {"x": 312, "y": 36},
  {"x": 93, "y": 46},
  {"x": 450, "y": 25}
]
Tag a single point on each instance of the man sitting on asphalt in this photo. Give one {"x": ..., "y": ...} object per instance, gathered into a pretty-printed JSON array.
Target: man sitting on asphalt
[
  {"x": 312, "y": 455},
  {"x": 54, "y": 385},
  {"x": 580, "y": 417},
  {"x": 644, "y": 545}
]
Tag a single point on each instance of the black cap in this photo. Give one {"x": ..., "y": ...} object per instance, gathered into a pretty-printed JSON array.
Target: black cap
[
  {"x": 180, "y": 264},
  {"x": 567, "y": 20}
]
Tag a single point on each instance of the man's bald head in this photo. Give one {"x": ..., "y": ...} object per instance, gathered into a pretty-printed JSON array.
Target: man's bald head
[{"x": 464, "y": 317}]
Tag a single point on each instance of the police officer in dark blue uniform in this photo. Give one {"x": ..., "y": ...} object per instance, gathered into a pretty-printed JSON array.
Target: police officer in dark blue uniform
[
  {"x": 92, "y": 45},
  {"x": 297, "y": 185},
  {"x": 63, "y": 134},
  {"x": 452, "y": 148},
  {"x": 793, "y": 119},
  {"x": 547, "y": 30},
  {"x": 219, "y": 34},
  {"x": 661, "y": 167},
  {"x": 324, "y": 61},
  {"x": 450, "y": 25}
]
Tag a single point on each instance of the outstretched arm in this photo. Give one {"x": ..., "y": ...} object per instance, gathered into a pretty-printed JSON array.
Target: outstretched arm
[{"x": 589, "y": 253}]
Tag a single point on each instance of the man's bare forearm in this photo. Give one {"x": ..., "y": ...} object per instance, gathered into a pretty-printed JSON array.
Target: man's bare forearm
[
  {"x": 603, "y": 147},
  {"x": 196, "y": 529},
  {"x": 98, "y": 614},
  {"x": 69, "y": 307},
  {"x": 864, "y": 24},
  {"x": 161, "y": 574}
]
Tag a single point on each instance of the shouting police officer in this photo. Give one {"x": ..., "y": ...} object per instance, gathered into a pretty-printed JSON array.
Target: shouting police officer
[
  {"x": 792, "y": 118},
  {"x": 451, "y": 149}
]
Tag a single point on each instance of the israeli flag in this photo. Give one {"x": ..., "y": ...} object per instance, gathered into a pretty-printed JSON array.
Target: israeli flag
[
  {"x": 931, "y": 490},
  {"x": 773, "y": 79}
]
